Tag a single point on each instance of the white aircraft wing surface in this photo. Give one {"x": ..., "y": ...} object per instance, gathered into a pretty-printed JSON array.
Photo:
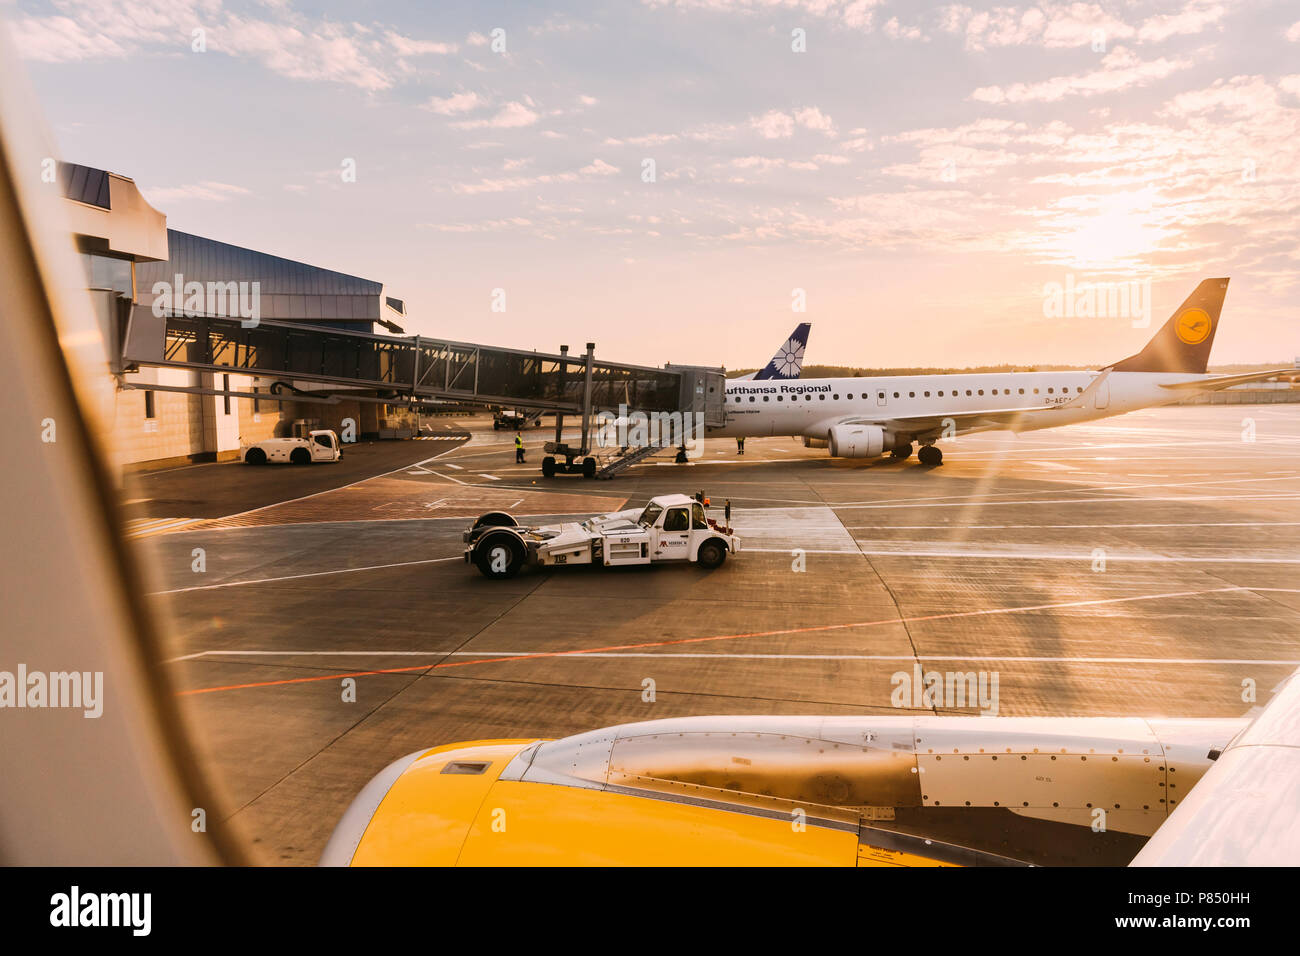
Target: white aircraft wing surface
[{"x": 1245, "y": 811}]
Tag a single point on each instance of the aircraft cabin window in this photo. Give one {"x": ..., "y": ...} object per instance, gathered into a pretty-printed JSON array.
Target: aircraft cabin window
[
  {"x": 1049, "y": 391},
  {"x": 1022, "y": 391},
  {"x": 911, "y": 394},
  {"x": 836, "y": 397},
  {"x": 780, "y": 398},
  {"x": 822, "y": 397},
  {"x": 895, "y": 395},
  {"x": 751, "y": 398},
  {"x": 981, "y": 391},
  {"x": 927, "y": 394},
  {"x": 767, "y": 398},
  {"x": 1079, "y": 389},
  {"x": 968, "y": 391},
  {"x": 1035, "y": 391}
]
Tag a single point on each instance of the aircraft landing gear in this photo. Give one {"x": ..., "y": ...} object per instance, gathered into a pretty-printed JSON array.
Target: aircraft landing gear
[
  {"x": 930, "y": 455},
  {"x": 901, "y": 452}
]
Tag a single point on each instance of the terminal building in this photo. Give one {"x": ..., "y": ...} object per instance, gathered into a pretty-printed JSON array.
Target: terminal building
[{"x": 126, "y": 249}]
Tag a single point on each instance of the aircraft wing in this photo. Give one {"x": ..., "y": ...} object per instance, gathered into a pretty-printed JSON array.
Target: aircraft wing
[
  {"x": 1227, "y": 381},
  {"x": 1245, "y": 810},
  {"x": 983, "y": 420}
]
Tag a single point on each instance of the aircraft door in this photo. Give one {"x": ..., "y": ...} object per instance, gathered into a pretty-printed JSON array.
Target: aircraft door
[{"x": 880, "y": 396}]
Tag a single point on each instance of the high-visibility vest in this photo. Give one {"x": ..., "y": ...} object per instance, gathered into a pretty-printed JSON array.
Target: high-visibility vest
[{"x": 519, "y": 442}]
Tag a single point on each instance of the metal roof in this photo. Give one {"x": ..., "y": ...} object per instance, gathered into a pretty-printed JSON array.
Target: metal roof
[{"x": 289, "y": 290}]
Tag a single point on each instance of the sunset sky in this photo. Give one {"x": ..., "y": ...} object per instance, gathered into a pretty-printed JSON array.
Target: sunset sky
[{"x": 921, "y": 171}]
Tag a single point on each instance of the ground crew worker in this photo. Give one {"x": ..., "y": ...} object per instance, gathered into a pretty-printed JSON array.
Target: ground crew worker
[
  {"x": 740, "y": 446},
  {"x": 519, "y": 448}
]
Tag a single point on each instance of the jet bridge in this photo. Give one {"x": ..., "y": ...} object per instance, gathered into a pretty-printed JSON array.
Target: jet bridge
[{"x": 417, "y": 369}]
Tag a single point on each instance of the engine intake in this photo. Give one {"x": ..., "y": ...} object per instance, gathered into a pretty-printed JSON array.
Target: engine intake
[{"x": 858, "y": 441}]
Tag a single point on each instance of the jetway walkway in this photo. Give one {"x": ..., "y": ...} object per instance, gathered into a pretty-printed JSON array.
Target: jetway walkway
[{"x": 417, "y": 369}]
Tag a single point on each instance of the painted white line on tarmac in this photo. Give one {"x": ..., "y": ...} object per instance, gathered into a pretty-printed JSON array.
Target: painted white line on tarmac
[
  {"x": 828, "y": 627},
  {"x": 311, "y": 574},
  {"x": 1022, "y": 555},
  {"x": 772, "y": 657},
  {"x": 1018, "y": 527}
]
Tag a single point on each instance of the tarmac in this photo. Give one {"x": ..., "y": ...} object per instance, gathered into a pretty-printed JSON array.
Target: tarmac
[{"x": 1145, "y": 565}]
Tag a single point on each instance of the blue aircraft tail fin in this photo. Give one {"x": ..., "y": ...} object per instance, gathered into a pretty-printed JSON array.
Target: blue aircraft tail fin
[{"x": 787, "y": 363}]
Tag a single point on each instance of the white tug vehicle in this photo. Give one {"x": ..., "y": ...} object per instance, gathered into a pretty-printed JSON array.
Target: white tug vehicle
[
  {"x": 669, "y": 528},
  {"x": 319, "y": 445}
]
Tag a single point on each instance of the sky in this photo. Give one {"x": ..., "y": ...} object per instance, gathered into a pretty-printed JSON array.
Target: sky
[{"x": 674, "y": 179}]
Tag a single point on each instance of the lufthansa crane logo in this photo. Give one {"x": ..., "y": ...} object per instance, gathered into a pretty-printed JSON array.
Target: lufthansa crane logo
[{"x": 1193, "y": 326}]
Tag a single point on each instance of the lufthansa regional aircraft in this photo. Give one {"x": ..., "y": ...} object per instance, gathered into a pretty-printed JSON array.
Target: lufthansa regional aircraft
[{"x": 866, "y": 417}]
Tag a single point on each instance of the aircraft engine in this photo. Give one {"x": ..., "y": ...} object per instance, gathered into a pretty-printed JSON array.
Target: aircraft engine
[
  {"x": 858, "y": 441},
  {"x": 815, "y": 442}
]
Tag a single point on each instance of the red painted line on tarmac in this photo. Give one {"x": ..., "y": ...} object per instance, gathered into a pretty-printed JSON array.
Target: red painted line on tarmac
[{"x": 541, "y": 655}]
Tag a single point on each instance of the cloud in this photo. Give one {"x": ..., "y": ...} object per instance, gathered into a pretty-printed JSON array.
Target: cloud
[
  {"x": 511, "y": 116},
  {"x": 1071, "y": 24},
  {"x": 456, "y": 103},
  {"x": 599, "y": 168},
  {"x": 1120, "y": 70},
  {"x": 775, "y": 124},
  {"x": 291, "y": 44},
  {"x": 1193, "y": 19},
  {"x": 854, "y": 14},
  {"x": 895, "y": 31},
  {"x": 206, "y": 191}
]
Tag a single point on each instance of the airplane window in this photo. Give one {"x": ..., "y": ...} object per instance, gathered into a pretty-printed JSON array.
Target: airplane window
[
  {"x": 941, "y": 394},
  {"x": 1022, "y": 391},
  {"x": 895, "y": 395},
  {"x": 780, "y": 398},
  {"x": 751, "y": 398},
  {"x": 927, "y": 394},
  {"x": 1035, "y": 391},
  {"x": 836, "y": 397},
  {"x": 822, "y": 397},
  {"x": 767, "y": 398},
  {"x": 968, "y": 391},
  {"x": 1049, "y": 391},
  {"x": 981, "y": 391},
  {"x": 1079, "y": 389},
  {"x": 807, "y": 398},
  {"x": 911, "y": 394}
]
